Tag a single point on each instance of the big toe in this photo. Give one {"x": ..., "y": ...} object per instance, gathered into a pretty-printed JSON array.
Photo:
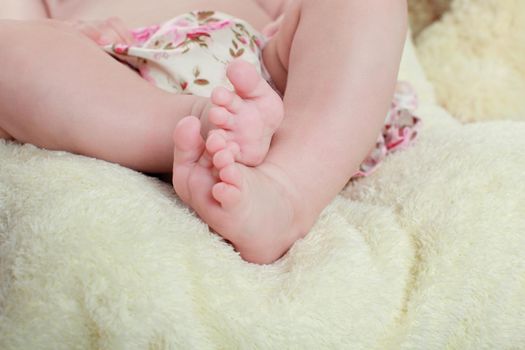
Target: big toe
[
  {"x": 188, "y": 148},
  {"x": 188, "y": 141},
  {"x": 245, "y": 79}
]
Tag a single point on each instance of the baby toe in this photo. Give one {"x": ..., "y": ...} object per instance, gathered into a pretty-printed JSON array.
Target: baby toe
[
  {"x": 223, "y": 158},
  {"x": 234, "y": 148},
  {"x": 216, "y": 141},
  {"x": 221, "y": 96},
  {"x": 232, "y": 175},
  {"x": 227, "y": 195},
  {"x": 221, "y": 117},
  {"x": 245, "y": 78}
]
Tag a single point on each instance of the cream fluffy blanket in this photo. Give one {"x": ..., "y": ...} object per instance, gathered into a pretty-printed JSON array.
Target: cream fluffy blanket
[{"x": 425, "y": 254}]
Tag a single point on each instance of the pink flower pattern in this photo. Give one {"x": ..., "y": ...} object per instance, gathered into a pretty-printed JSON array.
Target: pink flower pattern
[
  {"x": 399, "y": 131},
  {"x": 188, "y": 53},
  {"x": 141, "y": 35}
]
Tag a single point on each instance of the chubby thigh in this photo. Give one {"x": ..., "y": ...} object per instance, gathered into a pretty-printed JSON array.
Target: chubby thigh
[{"x": 83, "y": 101}]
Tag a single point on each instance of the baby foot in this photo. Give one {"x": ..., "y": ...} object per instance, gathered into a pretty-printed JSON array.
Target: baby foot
[
  {"x": 255, "y": 208},
  {"x": 249, "y": 116}
]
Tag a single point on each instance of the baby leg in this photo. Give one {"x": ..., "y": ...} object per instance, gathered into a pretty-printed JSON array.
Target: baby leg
[
  {"x": 338, "y": 81},
  {"x": 60, "y": 91}
]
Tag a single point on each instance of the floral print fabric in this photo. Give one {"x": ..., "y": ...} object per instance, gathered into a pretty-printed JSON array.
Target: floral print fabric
[
  {"x": 189, "y": 53},
  {"x": 399, "y": 131}
]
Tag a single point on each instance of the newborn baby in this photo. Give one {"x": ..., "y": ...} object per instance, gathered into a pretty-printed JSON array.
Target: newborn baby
[{"x": 262, "y": 110}]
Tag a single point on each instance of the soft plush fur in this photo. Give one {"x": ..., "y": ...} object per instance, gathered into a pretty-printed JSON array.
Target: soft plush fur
[
  {"x": 474, "y": 55},
  {"x": 425, "y": 12},
  {"x": 427, "y": 253}
]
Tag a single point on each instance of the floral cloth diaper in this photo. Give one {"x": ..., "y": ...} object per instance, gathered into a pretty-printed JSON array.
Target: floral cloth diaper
[{"x": 188, "y": 54}]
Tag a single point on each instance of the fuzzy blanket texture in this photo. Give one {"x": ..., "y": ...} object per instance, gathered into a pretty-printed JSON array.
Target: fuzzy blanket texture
[{"x": 427, "y": 253}]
